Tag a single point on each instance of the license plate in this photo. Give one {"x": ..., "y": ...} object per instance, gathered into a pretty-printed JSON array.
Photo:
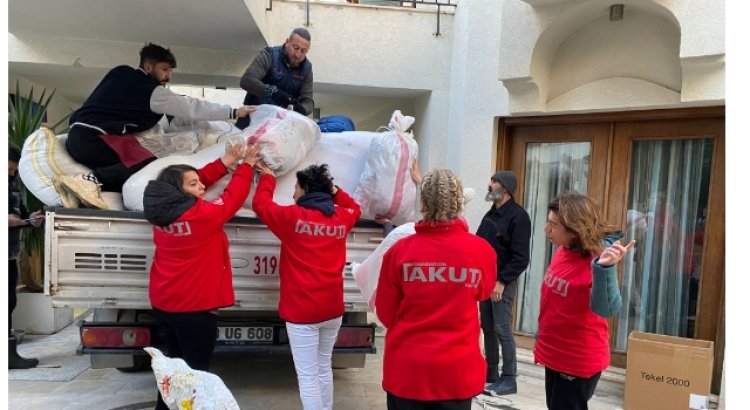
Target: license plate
[{"x": 245, "y": 334}]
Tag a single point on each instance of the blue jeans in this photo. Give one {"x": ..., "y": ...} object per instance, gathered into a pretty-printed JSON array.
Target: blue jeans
[{"x": 497, "y": 327}]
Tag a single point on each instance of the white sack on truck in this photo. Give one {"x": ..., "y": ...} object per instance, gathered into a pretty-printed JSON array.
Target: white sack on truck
[
  {"x": 285, "y": 138},
  {"x": 184, "y": 388},
  {"x": 385, "y": 188},
  {"x": 42, "y": 158},
  {"x": 345, "y": 154},
  {"x": 132, "y": 189}
]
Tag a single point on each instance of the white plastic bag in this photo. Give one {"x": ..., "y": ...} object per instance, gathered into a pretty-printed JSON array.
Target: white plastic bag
[
  {"x": 386, "y": 189},
  {"x": 184, "y": 388},
  {"x": 284, "y": 136},
  {"x": 367, "y": 273}
]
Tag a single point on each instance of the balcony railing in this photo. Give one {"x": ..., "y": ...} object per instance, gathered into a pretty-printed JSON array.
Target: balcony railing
[{"x": 436, "y": 5}]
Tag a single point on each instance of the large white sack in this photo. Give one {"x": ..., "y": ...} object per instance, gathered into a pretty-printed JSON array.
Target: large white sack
[
  {"x": 386, "y": 189},
  {"x": 42, "y": 158},
  {"x": 367, "y": 273},
  {"x": 285, "y": 136},
  {"x": 132, "y": 189},
  {"x": 344, "y": 152},
  {"x": 184, "y": 388}
]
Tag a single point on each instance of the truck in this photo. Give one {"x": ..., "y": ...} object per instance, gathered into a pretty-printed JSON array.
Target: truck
[{"x": 100, "y": 260}]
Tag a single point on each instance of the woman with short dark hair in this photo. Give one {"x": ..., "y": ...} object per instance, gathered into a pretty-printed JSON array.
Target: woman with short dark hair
[{"x": 313, "y": 235}]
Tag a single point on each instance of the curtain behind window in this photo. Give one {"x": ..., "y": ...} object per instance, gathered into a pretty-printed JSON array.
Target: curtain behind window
[
  {"x": 550, "y": 170},
  {"x": 667, "y": 203}
]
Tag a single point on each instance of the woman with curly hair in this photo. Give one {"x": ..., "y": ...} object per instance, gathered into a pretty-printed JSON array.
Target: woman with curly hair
[
  {"x": 427, "y": 295},
  {"x": 313, "y": 235},
  {"x": 579, "y": 293}
]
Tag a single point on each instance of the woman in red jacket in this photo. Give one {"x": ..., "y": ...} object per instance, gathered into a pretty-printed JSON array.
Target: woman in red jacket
[
  {"x": 313, "y": 235},
  {"x": 427, "y": 295},
  {"x": 579, "y": 293},
  {"x": 191, "y": 275}
]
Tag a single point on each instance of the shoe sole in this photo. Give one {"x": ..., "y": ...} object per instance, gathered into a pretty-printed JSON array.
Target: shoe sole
[
  {"x": 495, "y": 394},
  {"x": 68, "y": 200},
  {"x": 82, "y": 196}
]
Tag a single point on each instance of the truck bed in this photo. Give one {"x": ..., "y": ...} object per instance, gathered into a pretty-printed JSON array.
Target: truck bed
[{"x": 101, "y": 259}]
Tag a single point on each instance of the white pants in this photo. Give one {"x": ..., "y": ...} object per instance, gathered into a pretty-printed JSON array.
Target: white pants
[{"x": 312, "y": 349}]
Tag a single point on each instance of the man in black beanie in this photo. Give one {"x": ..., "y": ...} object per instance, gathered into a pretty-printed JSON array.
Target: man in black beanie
[
  {"x": 507, "y": 227},
  {"x": 18, "y": 218}
]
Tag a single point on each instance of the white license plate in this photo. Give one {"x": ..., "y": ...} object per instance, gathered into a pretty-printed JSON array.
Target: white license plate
[{"x": 245, "y": 334}]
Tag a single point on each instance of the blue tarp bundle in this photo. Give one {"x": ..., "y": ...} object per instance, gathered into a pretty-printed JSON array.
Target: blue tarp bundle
[{"x": 336, "y": 123}]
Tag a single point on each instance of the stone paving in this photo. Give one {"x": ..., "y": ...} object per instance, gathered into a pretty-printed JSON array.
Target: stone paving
[{"x": 257, "y": 382}]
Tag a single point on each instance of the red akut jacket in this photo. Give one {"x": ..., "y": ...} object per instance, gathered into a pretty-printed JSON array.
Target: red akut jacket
[
  {"x": 192, "y": 270},
  {"x": 427, "y": 295},
  {"x": 313, "y": 253}
]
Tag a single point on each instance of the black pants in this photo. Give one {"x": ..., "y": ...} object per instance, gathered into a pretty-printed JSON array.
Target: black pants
[
  {"x": 190, "y": 336},
  {"x": 87, "y": 148},
  {"x": 397, "y": 403},
  {"x": 497, "y": 330},
  {"x": 566, "y": 392},
  {"x": 12, "y": 282}
]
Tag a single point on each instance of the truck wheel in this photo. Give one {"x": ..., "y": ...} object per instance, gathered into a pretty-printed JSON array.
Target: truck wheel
[{"x": 140, "y": 364}]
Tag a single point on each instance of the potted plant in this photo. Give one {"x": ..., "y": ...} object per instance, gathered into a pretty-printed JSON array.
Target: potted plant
[{"x": 25, "y": 116}]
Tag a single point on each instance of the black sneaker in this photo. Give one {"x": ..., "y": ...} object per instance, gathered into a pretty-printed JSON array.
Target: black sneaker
[{"x": 506, "y": 385}]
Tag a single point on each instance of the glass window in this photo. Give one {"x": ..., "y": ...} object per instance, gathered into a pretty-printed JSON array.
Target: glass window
[
  {"x": 551, "y": 168},
  {"x": 667, "y": 203}
]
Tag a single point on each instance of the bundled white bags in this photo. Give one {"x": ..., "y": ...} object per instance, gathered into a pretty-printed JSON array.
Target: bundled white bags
[
  {"x": 285, "y": 137},
  {"x": 184, "y": 388},
  {"x": 385, "y": 187}
]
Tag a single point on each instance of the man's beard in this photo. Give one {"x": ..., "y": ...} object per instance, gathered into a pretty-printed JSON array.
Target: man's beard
[{"x": 493, "y": 196}]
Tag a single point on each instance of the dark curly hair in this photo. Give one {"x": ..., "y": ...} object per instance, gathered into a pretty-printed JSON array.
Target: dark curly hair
[
  {"x": 158, "y": 54},
  {"x": 315, "y": 178},
  {"x": 173, "y": 175}
]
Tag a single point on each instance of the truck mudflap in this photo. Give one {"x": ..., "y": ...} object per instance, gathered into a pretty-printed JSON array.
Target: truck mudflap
[{"x": 118, "y": 338}]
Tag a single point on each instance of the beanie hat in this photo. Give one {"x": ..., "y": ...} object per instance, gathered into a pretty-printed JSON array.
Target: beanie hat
[{"x": 507, "y": 179}]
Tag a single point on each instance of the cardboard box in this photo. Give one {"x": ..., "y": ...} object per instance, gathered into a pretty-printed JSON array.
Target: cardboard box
[{"x": 667, "y": 372}]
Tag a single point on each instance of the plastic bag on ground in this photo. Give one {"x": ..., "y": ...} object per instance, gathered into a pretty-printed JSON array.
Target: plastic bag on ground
[
  {"x": 184, "y": 388},
  {"x": 386, "y": 189}
]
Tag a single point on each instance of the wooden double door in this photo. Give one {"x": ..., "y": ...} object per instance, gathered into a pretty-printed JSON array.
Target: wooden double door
[{"x": 659, "y": 178}]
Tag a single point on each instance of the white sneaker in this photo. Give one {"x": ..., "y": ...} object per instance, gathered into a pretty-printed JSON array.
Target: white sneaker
[
  {"x": 89, "y": 192},
  {"x": 68, "y": 200}
]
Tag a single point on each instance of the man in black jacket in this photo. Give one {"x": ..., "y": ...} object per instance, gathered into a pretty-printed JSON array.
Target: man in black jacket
[
  {"x": 18, "y": 218},
  {"x": 281, "y": 75},
  {"x": 507, "y": 227},
  {"x": 128, "y": 101}
]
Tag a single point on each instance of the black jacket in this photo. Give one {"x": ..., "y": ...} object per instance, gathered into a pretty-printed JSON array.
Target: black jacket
[
  {"x": 15, "y": 206},
  {"x": 508, "y": 230}
]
